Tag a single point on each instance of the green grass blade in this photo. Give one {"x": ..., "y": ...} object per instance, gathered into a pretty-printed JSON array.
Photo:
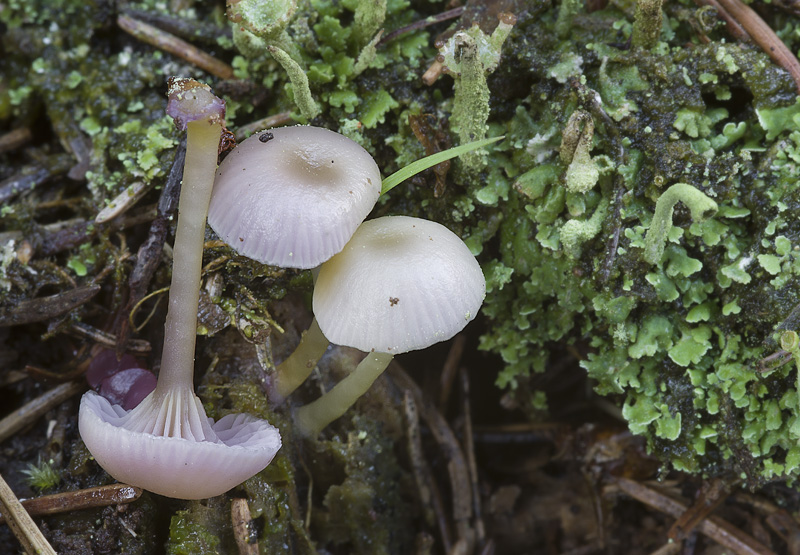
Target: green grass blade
[{"x": 424, "y": 163}]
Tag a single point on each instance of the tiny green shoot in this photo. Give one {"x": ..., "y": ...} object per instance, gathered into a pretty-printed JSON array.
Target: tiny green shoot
[
  {"x": 42, "y": 476},
  {"x": 423, "y": 164}
]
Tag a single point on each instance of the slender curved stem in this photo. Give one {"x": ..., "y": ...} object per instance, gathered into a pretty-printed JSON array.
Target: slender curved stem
[
  {"x": 293, "y": 371},
  {"x": 311, "y": 419},
  {"x": 177, "y": 358}
]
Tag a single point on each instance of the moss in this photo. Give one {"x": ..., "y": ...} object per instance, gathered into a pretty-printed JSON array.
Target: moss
[
  {"x": 270, "y": 493},
  {"x": 42, "y": 476},
  {"x": 364, "y": 508},
  {"x": 196, "y": 530},
  {"x": 234, "y": 387}
]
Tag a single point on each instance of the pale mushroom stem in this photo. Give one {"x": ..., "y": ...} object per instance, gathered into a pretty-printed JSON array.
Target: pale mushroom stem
[
  {"x": 311, "y": 419},
  {"x": 177, "y": 358},
  {"x": 292, "y": 372}
]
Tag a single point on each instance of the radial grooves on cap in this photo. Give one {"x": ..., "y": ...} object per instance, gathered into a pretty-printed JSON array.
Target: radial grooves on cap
[
  {"x": 400, "y": 284},
  {"x": 294, "y": 200}
]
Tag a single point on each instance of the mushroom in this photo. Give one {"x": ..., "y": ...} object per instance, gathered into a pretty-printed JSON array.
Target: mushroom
[
  {"x": 292, "y": 197},
  {"x": 167, "y": 444},
  {"x": 399, "y": 285}
]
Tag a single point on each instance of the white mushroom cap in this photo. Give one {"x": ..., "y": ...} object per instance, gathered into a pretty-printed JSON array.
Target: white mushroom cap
[
  {"x": 172, "y": 448},
  {"x": 293, "y": 196},
  {"x": 399, "y": 285}
]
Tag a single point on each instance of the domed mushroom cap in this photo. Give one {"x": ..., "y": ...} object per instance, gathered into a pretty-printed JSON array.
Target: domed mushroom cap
[
  {"x": 293, "y": 196},
  {"x": 399, "y": 285},
  {"x": 172, "y": 448}
]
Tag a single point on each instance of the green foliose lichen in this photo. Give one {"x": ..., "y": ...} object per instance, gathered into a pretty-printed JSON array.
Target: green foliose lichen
[{"x": 680, "y": 341}]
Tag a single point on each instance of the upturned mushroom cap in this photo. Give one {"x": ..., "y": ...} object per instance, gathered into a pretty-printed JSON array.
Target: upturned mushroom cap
[
  {"x": 171, "y": 448},
  {"x": 293, "y": 196},
  {"x": 399, "y": 285},
  {"x": 190, "y": 100}
]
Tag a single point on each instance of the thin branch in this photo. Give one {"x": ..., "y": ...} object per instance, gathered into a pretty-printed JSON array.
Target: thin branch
[
  {"x": 715, "y": 528},
  {"x": 15, "y": 138},
  {"x": 422, "y": 23},
  {"x": 40, "y": 309},
  {"x": 450, "y": 369},
  {"x": 102, "y": 496},
  {"x": 172, "y": 44},
  {"x": 241, "y": 519},
  {"x": 276, "y": 120},
  {"x": 764, "y": 36},
  {"x": 21, "y": 523},
  {"x": 31, "y": 411}
]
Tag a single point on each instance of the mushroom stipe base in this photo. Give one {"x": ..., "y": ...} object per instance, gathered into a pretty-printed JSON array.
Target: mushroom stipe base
[{"x": 311, "y": 419}]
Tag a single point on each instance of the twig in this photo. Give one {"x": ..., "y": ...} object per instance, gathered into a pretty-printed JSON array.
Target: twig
[
  {"x": 30, "y": 412},
  {"x": 246, "y": 541},
  {"x": 669, "y": 548},
  {"x": 461, "y": 547},
  {"x": 429, "y": 496},
  {"x": 149, "y": 253},
  {"x": 422, "y": 23},
  {"x": 71, "y": 234},
  {"x": 40, "y": 374},
  {"x": 786, "y": 526},
  {"x": 715, "y": 528},
  {"x": 7, "y": 236},
  {"x": 433, "y": 73},
  {"x": 489, "y": 549},
  {"x": 469, "y": 448},
  {"x": 102, "y": 496},
  {"x": 764, "y": 36},
  {"x": 789, "y": 6},
  {"x": 712, "y": 494},
  {"x": 22, "y": 524},
  {"x": 275, "y": 120},
  {"x": 597, "y": 505},
  {"x": 10, "y": 377},
  {"x": 525, "y": 432},
  {"x": 187, "y": 29},
  {"x": 457, "y": 467},
  {"x": 14, "y": 139},
  {"x": 123, "y": 201},
  {"x": 73, "y": 139},
  {"x": 449, "y": 370},
  {"x": 105, "y": 339},
  {"x": 178, "y": 47},
  {"x": 32, "y": 176},
  {"x": 774, "y": 361},
  {"x": 45, "y": 308},
  {"x": 733, "y": 26}
]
